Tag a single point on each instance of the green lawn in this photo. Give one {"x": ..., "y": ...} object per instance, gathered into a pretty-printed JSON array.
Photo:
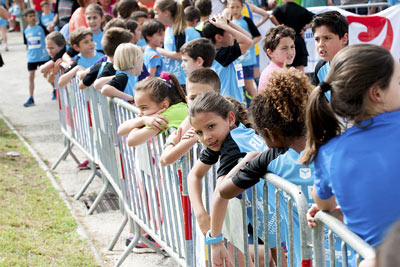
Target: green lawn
[{"x": 36, "y": 228}]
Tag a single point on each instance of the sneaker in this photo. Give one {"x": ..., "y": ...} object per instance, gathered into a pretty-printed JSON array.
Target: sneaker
[
  {"x": 30, "y": 102},
  {"x": 6, "y": 49},
  {"x": 143, "y": 248},
  {"x": 84, "y": 165},
  {"x": 54, "y": 97}
]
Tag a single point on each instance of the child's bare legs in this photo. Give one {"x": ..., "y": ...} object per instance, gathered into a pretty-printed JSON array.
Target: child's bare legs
[
  {"x": 274, "y": 255},
  {"x": 3, "y": 31},
  {"x": 31, "y": 82}
]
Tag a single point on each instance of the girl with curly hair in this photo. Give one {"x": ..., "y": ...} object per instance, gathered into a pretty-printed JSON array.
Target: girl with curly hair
[{"x": 278, "y": 114}]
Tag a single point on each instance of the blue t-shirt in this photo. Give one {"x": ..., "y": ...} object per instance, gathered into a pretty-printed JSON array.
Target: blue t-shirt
[
  {"x": 172, "y": 65},
  {"x": 47, "y": 19},
  {"x": 35, "y": 38},
  {"x": 141, "y": 42},
  {"x": 248, "y": 58},
  {"x": 224, "y": 66},
  {"x": 361, "y": 169},
  {"x": 151, "y": 59},
  {"x": 125, "y": 82},
  {"x": 87, "y": 62},
  {"x": 97, "y": 40}
]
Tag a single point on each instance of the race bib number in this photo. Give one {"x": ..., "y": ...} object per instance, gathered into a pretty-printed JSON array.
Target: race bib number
[
  {"x": 33, "y": 42},
  {"x": 239, "y": 75}
]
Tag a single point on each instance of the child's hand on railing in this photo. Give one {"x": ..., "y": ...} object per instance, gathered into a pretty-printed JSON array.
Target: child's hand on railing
[
  {"x": 219, "y": 255},
  {"x": 310, "y": 215},
  {"x": 156, "y": 121},
  {"x": 189, "y": 134}
]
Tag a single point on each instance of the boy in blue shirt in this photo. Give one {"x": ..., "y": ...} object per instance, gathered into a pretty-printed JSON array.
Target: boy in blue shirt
[
  {"x": 222, "y": 34},
  {"x": 82, "y": 41},
  {"x": 37, "y": 55},
  {"x": 47, "y": 17},
  {"x": 153, "y": 32}
]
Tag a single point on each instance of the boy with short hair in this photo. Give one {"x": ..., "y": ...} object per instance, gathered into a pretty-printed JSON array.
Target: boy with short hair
[
  {"x": 82, "y": 41},
  {"x": 192, "y": 16},
  {"x": 205, "y": 8},
  {"x": 37, "y": 55},
  {"x": 331, "y": 34},
  {"x": 181, "y": 141},
  {"x": 222, "y": 34},
  {"x": 153, "y": 32},
  {"x": 112, "y": 38},
  {"x": 197, "y": 54},
  {"x": 47, "y": 17}
]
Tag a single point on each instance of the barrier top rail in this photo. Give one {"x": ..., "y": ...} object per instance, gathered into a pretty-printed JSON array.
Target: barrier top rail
[
  {"x": 385, "y": 4},
  {"x": 353, "y": 240}
]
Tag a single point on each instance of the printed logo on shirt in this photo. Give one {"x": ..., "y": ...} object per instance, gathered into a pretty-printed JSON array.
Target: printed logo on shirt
[
  {"x": 305, "y": 173},
  {"x": 34, "y": 42}
]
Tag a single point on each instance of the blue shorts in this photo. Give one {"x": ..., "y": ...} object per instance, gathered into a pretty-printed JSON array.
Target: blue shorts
[
  {"x": 3, "y": 22},
  {"x": 248, "y": 72}
]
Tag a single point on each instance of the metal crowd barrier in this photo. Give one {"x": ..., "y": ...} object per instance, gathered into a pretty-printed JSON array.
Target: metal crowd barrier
[
  {"x": 356, "y": 7},
  {"x": 155, "y": 199},
  {"x": 362, "y": 249},
  {"x": 76, "y": 125}
]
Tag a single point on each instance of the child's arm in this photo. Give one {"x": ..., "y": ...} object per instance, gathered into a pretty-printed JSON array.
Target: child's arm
[
  {"x": 111, "y": 91},
  {"x": 260, "y": 11},
  {"x": 241, "y": 36},
  {"x": 184, "y": 139},
  {"x": 195, "y": 177},
  {"x": 170, "y": 54},
  {"x": 152, "y": 72},
  {"x": 218, "y": 211},
  {"x": 46, "y": 67},
  {"x": 140, "y": 136},
  {"x": 156, "y": 121},
  {"x": 82, "y": 74},
  {"x": 65, "y": 78},
  {"x": 100, "y": 82}
]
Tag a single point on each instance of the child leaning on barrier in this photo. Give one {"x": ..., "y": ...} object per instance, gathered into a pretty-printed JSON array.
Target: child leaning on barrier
[
  {"x": 278, "y": 115},
  {"x": 111, "y": 40},
  {"x": 82, "y": 41},
  {"x": 226, "y": 140},
  {"x": 128, "y": 60},
  {"x": 55, "y": 46},
  {"x": 357, "y": 169},
  {"x": 183, "y": 139},
  {"x": 157, "y": 99}
]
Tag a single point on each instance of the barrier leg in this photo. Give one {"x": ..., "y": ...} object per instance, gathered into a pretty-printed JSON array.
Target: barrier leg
[
  {"x": 118, "y": 233},
  {"x": 64, "y": 154},
  {"x": 88, "y": 181},
  {"x": 130, "y": 247},
  {"x": 99, "y": 197}
]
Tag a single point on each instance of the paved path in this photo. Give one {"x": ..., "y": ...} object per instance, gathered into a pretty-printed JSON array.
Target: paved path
[{"x": 39, "y": 125}]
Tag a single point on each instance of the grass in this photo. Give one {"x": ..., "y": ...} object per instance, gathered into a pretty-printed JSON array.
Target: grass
[{"x": 36, "y": 228}]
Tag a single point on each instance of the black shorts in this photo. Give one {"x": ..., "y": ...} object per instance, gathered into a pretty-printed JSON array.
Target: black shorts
[
  {"x": 301, "y": 52},
  {"x": 35, "y": 65}
]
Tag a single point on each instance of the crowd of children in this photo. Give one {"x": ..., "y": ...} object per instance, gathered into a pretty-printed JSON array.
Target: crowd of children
[{"x": 189, "y": 72}]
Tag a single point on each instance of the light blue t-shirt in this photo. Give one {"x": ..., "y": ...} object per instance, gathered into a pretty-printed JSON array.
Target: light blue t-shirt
[
  {"x": 87, "y": 62},
  {"x": 141, "y": 42},
  {"x": 361, "y": 169},
  {"x": 151, "y": 59},
  {"x": 229, "y": 80},
  {"x": 130, "y": 86},
  {"x": 172, "y": 65},
  {"x": 248, "y": 58},
  {"x": 35, "y": 38},
  {"x": 97, "y": 40},
  {"x": 47, "y": 19}
]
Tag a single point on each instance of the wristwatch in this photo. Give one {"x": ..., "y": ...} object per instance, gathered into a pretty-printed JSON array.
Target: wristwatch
[{"x": 209, "y": 240}]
